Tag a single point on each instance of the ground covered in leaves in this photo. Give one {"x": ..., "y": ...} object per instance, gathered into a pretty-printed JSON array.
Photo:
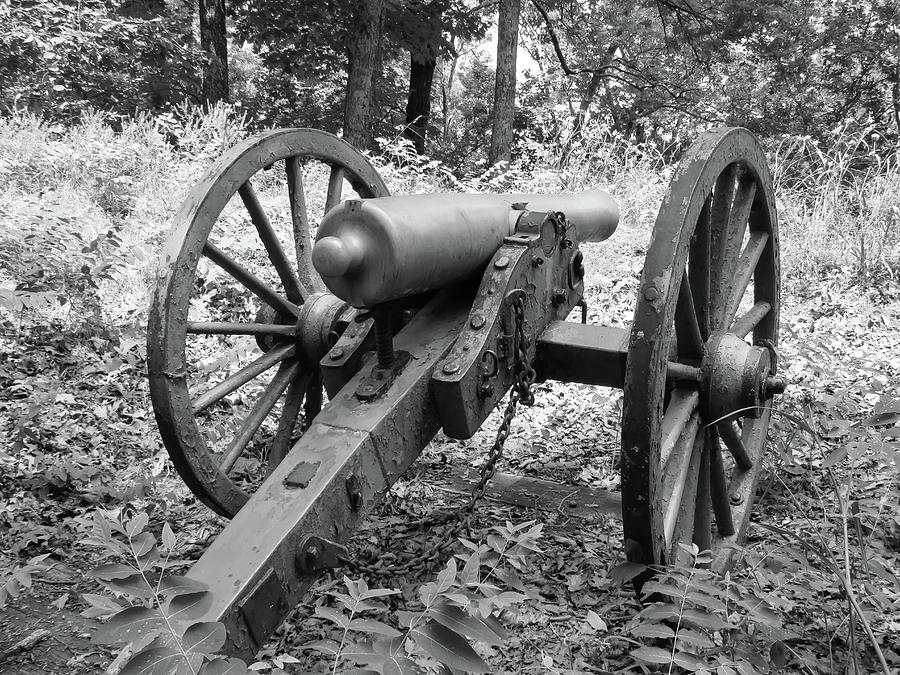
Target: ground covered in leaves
[{"x": 80, "y": 436}]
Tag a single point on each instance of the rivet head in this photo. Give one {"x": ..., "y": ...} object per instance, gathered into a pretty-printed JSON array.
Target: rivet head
[
  {"x": 450, "y": 368},
  {"x": 501, "y": 262},
  {"x": 477, "y": 321},
  {"x": 650, "y": 293},
  {"x": 336, "y": 353},
  {"x": 735, "y": 498}
]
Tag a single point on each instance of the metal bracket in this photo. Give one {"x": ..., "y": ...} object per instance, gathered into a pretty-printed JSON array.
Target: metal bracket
[
  {"x": 380, "y": 379},
  {"x": 317, "y": 554}
]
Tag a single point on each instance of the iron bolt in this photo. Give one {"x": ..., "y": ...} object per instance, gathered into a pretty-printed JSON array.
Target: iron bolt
[
  {"x": 735, "y": 498},
  {"x": 336, "y": 353},
  {"x": 775, "y": 385},
  {"x": 310, "y": 559},
  {"x": 501, "y": 262},
  {"x": 650, "y": 293},
  {"x": 477, "y": 321},
  {"x": 486, "y": 390},
  {"x": 538, "y": 261},
  {"x": 450, "y": 368}
]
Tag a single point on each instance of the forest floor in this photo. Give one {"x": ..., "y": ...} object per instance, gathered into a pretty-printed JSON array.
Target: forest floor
[{"x": 75, "y": 411}]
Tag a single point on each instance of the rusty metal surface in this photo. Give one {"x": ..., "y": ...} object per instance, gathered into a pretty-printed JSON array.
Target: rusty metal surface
[
  {"x": 531, "y": 267},
  {"x": 697, "y": 236},
  {"x": 373, "y": 251},
  {"x": 168, "y": 322},
  {"x": 364, "y": 444}
]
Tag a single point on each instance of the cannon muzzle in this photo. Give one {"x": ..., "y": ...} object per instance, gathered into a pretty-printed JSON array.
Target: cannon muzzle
[{"x": 373, "y": 251}]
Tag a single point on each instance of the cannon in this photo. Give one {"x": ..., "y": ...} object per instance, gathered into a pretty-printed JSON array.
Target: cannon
[{"x": 415, "y": 314}]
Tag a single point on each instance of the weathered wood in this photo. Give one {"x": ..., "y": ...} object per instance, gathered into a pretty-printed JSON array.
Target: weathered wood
[{"x": 579, "y": 501}]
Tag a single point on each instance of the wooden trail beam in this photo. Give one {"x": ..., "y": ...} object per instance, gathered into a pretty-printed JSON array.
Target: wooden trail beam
[
  {"x": 579, "y": 501},
  {"x": 338, "y": 471}
]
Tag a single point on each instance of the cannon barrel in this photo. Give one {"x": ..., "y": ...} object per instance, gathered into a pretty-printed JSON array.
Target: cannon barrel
[{"x": 373, "y": 251}]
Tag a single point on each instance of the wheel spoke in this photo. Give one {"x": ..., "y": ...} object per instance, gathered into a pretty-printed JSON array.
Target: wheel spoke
[
  {"x": 335, "y": 187},
  {"x": 687, "y": 328},
  {"x": 747, "y": 322},
  {"x": 719, "y": 234},
  {"x": 702, "y": 531},
  {"x": 684, "y": 521},
  {"x": 288, "y": 420},
  {"x": 250, "y": 281},
  {"x": 244, "y": 375},
  {"x": 729, "y": 433},
  {"x": 718, "y": 488},
  {"x": 683, "y": 372},
  {"x": 262, "y": 408},
  {"x": 271, "y": 243},
  {"x": 681, "y": 406},
  {"x": 312, "y": 406},
  {"x": 744, "y": 273},
  {"x": 239, "y": 328},
  {"x": 698, "y": 270},
  {"x": 675, "y": 473},
  {"x": 300, "y": 224}
]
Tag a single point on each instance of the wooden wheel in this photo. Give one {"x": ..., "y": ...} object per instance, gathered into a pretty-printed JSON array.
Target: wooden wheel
[
  {"x": 238, "y": 322},
  {"x": 693, "y": 434}
]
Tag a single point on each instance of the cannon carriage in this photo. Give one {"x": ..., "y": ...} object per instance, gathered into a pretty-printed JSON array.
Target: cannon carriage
[{"x": 414, "y": 314}]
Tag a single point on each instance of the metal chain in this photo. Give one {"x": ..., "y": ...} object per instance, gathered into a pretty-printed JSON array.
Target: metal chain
[{"x": 461, "y": 517}]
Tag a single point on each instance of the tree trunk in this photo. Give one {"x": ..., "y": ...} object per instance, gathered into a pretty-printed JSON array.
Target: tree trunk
[
  {"x": 418, "y": 104},
  {"x": 505, "y": 82},
  {"x": 214, "y": 43},
  {"x": 446, "y": 92},
  {"x": 364, "y": 38}
]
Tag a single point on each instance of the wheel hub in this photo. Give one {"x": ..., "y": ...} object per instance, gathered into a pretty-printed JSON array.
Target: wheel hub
[
  {"x": 737, "y": 378},
  {"x": 319, "y": 325}
]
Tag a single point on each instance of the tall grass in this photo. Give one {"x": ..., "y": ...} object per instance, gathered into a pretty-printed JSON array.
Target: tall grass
[
  {"x": 840, "y": 205},
  {"x": 63, "y": 188}
]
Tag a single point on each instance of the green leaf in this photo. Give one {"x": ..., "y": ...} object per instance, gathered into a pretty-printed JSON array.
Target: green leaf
[
  {"x": 652, "y": 630},
  {"x": 177, "y": 585},
  {"x": 334, "y": 616},
  {"x": 156, "y": 661},
  {"x": 100, "y": 606},
  {"x": 142, "y": 544},
  {"x": 448, "y": 647},
  {"x": 374, "y": 627},
  {"x": 206, "y": 637},
  {"x": 168, "y": 537},
  {"x": 689, "y": 661},
  {"x": 704, "y": 620},
  {"x": 694, "y": 638},
  {"x": 447, "y": 577},
  {"x": 595, "y": 621},
  {"x": 400, "y": 665},
  {"x": 224, "y": 666},
  {"x": 130, "y": 624},
  {"x": 189, "y": 606},
  {"x": 779, "y": 654},
  {"x": 113, "y": 571},
  {"x": 135, "y": 586},
  {"x": 137, "y": 524},
  {"x": 651, "y": 655},
  {"x": 622, "y": 574},
  {"x": 324, "y": 646},
  {"x": 458, "y": 620}
]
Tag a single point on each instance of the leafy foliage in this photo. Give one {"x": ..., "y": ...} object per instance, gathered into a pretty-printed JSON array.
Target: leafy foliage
[
  {"x": 160, "y": 629},
  {"x": 462, "y": 604}
]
